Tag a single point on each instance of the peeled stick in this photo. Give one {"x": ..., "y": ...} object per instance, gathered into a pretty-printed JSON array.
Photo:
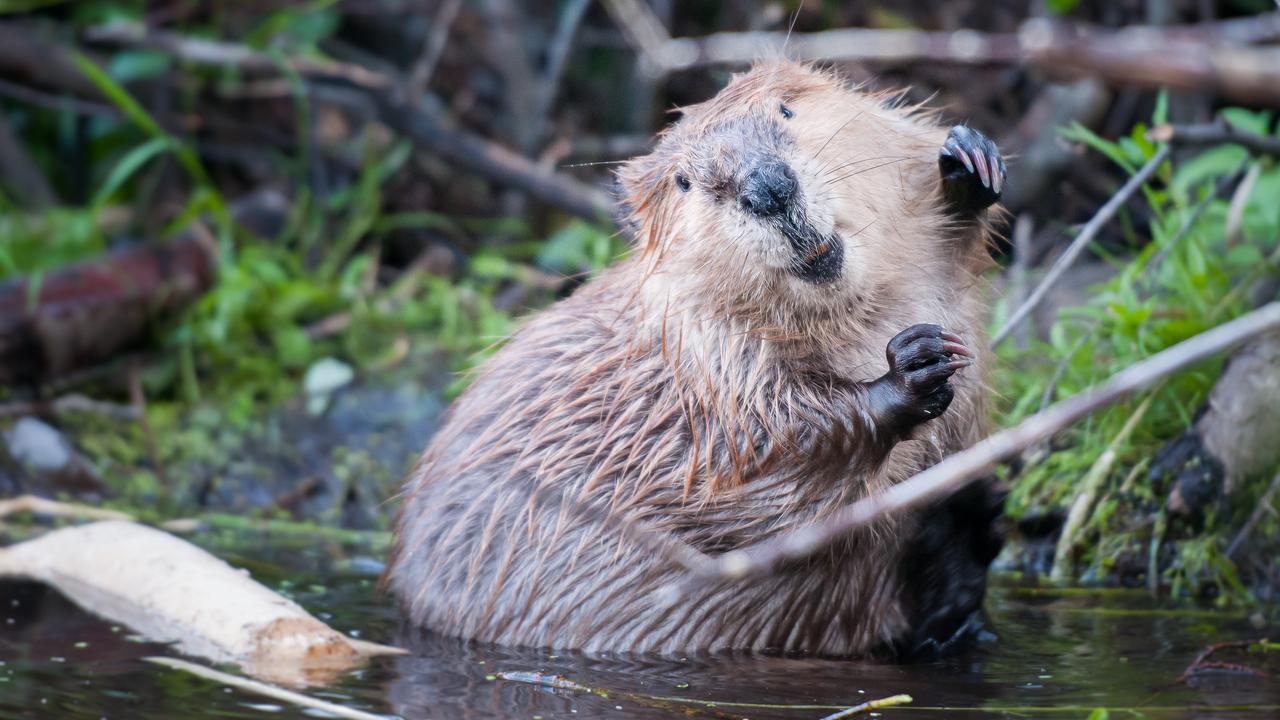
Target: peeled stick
[{"x": 171, "y": 591}]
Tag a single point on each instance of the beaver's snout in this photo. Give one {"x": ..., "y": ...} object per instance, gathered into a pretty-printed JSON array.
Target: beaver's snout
[{"x": 769, "y": 188}]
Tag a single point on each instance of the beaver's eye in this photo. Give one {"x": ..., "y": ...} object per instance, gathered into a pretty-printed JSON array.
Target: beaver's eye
[
  {"x": 786, "y": 111},
  {"x": 683, "y": 183}
]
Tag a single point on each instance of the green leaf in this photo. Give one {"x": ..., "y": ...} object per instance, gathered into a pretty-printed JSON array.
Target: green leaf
[
  {"x": 1061, "y": 7},
  {"x": 1080, "y": 133},
  {"x": 293, "y": 346},
  {"x": 139, "y": 116},
  {"x": 132, "y": 162},
  {"x": 133, "y": 65},
  {"x": 118, "y": 96},
  {"x": 1208, "y": 165},
  {"x": 1160, "y": 115},
  {"x": 1250, "y": 120}
]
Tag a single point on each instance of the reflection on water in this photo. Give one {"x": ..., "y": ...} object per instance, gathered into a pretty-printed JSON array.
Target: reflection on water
[{"x": 1052, "y": 656}]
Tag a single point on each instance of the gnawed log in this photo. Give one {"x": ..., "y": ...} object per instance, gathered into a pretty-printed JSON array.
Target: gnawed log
[
  {"x": 169, "y": 590},
  {"x": 81, "y": 315}
]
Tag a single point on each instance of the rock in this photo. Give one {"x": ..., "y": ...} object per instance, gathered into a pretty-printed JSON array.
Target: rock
[
  {"x": 48, "y": 462},
  {"x": 324, "y": 377}
]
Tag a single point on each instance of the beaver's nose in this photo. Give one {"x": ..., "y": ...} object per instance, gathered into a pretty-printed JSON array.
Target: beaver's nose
[{"x": 768, "y": 189}]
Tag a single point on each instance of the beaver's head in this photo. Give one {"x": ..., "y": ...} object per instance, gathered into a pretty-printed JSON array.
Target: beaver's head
[{"x": 786, "y": 181}]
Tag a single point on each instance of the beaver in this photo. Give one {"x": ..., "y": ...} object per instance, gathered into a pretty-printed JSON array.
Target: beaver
[{"x": 784, "y": 339}]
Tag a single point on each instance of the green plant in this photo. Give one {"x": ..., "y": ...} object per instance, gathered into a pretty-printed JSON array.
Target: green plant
[{"x": 1185, "y": 280}]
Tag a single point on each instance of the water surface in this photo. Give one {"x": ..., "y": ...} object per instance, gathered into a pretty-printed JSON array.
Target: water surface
[{"x": 1052, "y": 655}]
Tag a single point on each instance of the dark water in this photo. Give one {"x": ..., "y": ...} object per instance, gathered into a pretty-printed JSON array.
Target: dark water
[{"x": 1054, "y": 655}]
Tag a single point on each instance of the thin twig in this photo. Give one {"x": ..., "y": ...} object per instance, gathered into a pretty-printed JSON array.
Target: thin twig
[
  {"x": 215, "y": 53},
  {"x": 644, "y": 31},
  {"x": 557, "y": 59},
  {"x": 432, "y": 132},
  {"x": 1087, "y": 493},
  {"x": 1077, "y": 246},
  {"x": 1064, "y": 364},
  {"x": 260, "y": 688},
  {"x": 1216, "y": 133},
  {"x": 1202, "y": 661},
  {"x": 433, "y": 47},
  {"x": 71, "y": 404},
  {"x": 53, "y": 508},
  {"x": 957, "y": 470},
  {"x": 415, "y": 118},
  {"x": 1023, "y": 237},
  {"x": 1264, "y": 506},
  {"x": 1185, "y": 229},
  {"x": 138, "y": 401},
  {"x": 59, "y": 102},
  {"x": 1239, "y": 202},
  {"x": 870, "y": 706}
]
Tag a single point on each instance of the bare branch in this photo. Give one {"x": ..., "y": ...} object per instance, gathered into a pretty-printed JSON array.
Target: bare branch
[
  {"x": 557, "y": 59},
  {"x": 1204, "y": 56},
  {"x": 1216, "y": 134},
  {"x": 416, "y": 120},
  {"x": 1077, "y": 246},
  {"x": 955, "y": 471},
  {"x": 431, "y": 132},
  {"x": 433, "y": 48},
  {"x": 1264, "y": 506},
  {"x": 200, "y": 51}
]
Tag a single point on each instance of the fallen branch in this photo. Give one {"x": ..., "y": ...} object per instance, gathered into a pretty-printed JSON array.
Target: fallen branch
[
  {"x": 955, "y": 471},
  {"x": 402, "y": 111},
  {"x": 79, "y": 315},
  {"x": 169, "y": 590},
  {"x": 264, "y": 689},
  {"x": 1202, "y": 661},
  {"x": 1205, "y": 56},
  {"x": 1081, "y": 241},
  {"x": 53, "y": 508},
  {"x": 433, "y": 133}
]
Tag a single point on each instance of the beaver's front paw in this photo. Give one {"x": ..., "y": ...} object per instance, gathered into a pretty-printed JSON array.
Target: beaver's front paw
[
  {"x": 972, "y": 170},
  {"x": 922, "y": 359}
]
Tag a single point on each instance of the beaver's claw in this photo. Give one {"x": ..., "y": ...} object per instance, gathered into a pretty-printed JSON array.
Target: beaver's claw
[
  {"x": 972, "y": 170},
  {"x": 920, "y": 361}
]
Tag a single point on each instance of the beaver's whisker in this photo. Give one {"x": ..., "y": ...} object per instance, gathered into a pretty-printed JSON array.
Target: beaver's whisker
[
  {"x": 863, "y": 159},
  {"x": 873, "y": 167},
  {"x": 837, "y": 132}
]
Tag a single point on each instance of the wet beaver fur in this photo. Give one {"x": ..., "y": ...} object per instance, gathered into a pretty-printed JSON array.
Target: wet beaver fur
[{"x": 784, "y": 339}]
